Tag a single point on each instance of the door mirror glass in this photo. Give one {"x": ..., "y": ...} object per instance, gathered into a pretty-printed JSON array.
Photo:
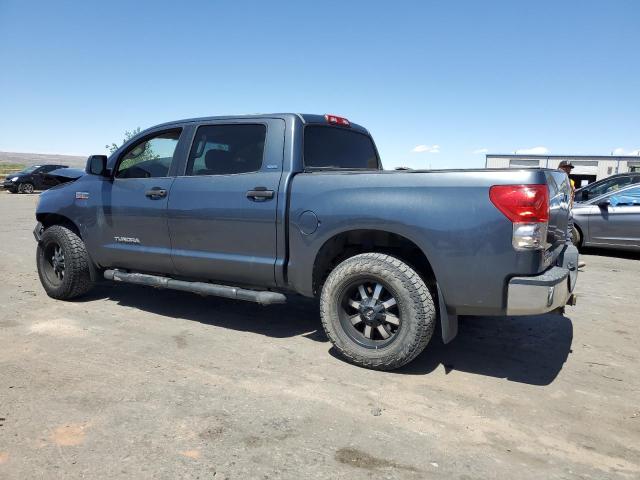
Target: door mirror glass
[{"x": 97, "y": 165}]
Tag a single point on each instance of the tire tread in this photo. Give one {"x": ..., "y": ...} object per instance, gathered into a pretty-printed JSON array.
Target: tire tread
[
  {"x": 385, "y": 265},
  {"x": 77, "y": 275}
]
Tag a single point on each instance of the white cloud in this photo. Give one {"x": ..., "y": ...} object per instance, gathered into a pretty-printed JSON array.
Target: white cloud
[
  {"x": 621, "y": 151},
  {"x": 533, "y": 151},
  {"x": 481, "y": 150},
  {"x": 426, "y": 148}
]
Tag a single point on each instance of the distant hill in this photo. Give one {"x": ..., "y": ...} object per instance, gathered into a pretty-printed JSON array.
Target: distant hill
[{"x": 28, "y": 159}]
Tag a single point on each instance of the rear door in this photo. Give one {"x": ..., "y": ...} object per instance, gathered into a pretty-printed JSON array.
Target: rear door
[
  {"x": 134, "y": 233},
  {"x": 222, "y": 209},
  {"x": 618, "y": 223}
]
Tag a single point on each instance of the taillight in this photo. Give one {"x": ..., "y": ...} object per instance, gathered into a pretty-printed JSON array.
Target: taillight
[
  {"x": 527, "y": 207},
  {"x": 522, "y": 203},
  {"x": 335, "y": 120}
]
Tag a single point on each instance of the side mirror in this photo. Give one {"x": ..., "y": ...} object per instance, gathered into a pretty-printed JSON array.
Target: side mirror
[
  {"x": 603, "y": 204},
  {"x": 97, "y": 165}
]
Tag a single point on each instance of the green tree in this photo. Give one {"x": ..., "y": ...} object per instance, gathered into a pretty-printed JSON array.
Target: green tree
[
  {"x": 141, "y": 153},
  {"x": 128, "y": 135}
]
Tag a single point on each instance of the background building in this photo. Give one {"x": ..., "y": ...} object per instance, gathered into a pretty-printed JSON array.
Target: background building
[{"x": 588, "y": 168}]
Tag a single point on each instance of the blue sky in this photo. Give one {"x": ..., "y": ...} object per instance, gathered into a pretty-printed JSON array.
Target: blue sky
[{"x": 446, "y": 78}]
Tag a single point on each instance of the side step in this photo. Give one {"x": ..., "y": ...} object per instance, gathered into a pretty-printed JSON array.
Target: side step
[{"x": 203, "y": 288}]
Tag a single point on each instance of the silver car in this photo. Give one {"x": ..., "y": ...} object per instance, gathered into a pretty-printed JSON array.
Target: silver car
[{"x": 611, "y": 220}]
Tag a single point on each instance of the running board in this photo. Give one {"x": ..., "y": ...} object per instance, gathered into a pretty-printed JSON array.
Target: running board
[{"x": 203, "y": 288}]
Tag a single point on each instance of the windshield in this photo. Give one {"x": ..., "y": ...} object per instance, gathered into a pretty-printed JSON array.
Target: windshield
[
  {"x": 331, "y": 147},
  {"x": 29, "y": 169}
]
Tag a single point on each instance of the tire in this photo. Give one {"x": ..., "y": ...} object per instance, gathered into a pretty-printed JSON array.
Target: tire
[
  {"x": 403, "y": 308},
  {"x": 63, "y": 264},
  {"x": 25, "y": 188},
  {"x": 576, "y": 237}
]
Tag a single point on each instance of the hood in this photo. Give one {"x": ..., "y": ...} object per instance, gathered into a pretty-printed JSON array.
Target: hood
[{"x": 64, "y": 175}]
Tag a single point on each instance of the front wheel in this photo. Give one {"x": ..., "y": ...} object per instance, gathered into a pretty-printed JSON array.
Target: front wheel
[
  {"x": 576, "y": 238},
  {"x": 63, "y": 264},
  {"x": 25, "y": 188},
  {"x": 377, "y": 311}
]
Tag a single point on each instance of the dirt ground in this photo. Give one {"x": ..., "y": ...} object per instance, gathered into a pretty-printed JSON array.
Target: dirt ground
[{"x": 132, "y": 382}]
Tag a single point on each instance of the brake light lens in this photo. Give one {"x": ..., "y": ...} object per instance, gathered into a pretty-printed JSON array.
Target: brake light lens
[
  {"x": 336, "y": 120},
  {"x": 522, "y": 203},
  {"x": 527, "y": 207}
]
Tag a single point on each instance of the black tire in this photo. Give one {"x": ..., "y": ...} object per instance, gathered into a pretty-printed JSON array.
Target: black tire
[
  {"x": 25, "y": 188},
  {"x": 60, "y": 247},
  {"x": 576, "y": 236},
  {"x": 409, "y": 317}
]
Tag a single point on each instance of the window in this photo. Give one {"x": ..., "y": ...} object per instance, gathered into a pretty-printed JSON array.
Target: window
[
  {"x": 149, "y": 158},
  {"x": 627, "y": 198},
  {"x": 331, "y": 147},
  {"x": 518, "y": 163},
  {"x": 610, "y": 185},
  {"x": 227, "y": 149}
]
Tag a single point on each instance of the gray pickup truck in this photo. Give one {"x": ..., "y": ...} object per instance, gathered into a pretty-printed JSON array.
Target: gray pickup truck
[{"x": 263, "y": 206}]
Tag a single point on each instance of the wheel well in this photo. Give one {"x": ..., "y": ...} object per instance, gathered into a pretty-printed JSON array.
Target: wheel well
[
  {"x": 50, "y": 219},
  {"x": 354, "y": 242}
]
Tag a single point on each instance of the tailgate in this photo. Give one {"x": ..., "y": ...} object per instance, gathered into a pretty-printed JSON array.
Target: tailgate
[{"x": 559, "y": 210}]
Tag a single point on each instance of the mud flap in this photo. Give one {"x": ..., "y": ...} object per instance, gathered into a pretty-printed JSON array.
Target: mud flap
[
  {"x": 569, "y": 260},
  {"x": 448, "y": 321}
]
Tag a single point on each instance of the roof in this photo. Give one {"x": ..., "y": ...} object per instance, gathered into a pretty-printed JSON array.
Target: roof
[
  {"x": 305, "y": 118},
  {"x": 566, "y": 157}
]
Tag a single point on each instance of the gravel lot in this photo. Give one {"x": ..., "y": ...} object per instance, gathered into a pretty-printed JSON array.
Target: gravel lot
[{"x": 132, "y": 382}]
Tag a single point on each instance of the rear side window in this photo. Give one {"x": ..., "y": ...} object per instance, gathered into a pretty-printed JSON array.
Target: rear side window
[
  {"x": 331, "y": 147},
  {"x": 227, "y": 149}
]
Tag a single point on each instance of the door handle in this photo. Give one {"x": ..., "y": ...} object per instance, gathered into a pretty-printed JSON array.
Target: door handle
[
  {"x": 259, "y": 194},
  {"x": 156, "y": 192}
]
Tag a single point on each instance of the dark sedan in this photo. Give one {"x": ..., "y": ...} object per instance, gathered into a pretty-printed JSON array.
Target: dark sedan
[{"x": 31, "y": 179}]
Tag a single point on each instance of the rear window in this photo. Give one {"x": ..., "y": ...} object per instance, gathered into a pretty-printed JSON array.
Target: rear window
[{"x": 331, "y": 147}]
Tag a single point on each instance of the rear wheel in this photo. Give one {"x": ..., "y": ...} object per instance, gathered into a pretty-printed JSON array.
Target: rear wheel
[
  {"x": 377, "y": 311},
  {"x": 63, "y": 263},
  {"x": 25, "y": 188}
]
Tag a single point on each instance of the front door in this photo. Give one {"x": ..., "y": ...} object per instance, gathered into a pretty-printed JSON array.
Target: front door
[
  {"x": 135, "y": 233},
  {"x": 618, "y": 222},
  {"x": 222, "y": 211}
]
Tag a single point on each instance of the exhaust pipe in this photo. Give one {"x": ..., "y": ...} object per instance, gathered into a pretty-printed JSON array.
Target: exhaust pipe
[{"x": 202, "y": 288}]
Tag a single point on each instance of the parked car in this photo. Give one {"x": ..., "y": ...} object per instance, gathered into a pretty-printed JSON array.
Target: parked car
[
  {"x": 260, "y": 207},
  {"x": 31, "y": 179},
  {"x": 611, "y": 220},
  {"x": 609, "y": 184}
]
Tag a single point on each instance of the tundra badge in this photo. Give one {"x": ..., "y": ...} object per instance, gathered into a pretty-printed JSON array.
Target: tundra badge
[{"x": 127, "y": 240}]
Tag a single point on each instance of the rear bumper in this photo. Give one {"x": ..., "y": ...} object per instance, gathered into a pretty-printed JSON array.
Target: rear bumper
[{"x": 547, "y": 291}]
